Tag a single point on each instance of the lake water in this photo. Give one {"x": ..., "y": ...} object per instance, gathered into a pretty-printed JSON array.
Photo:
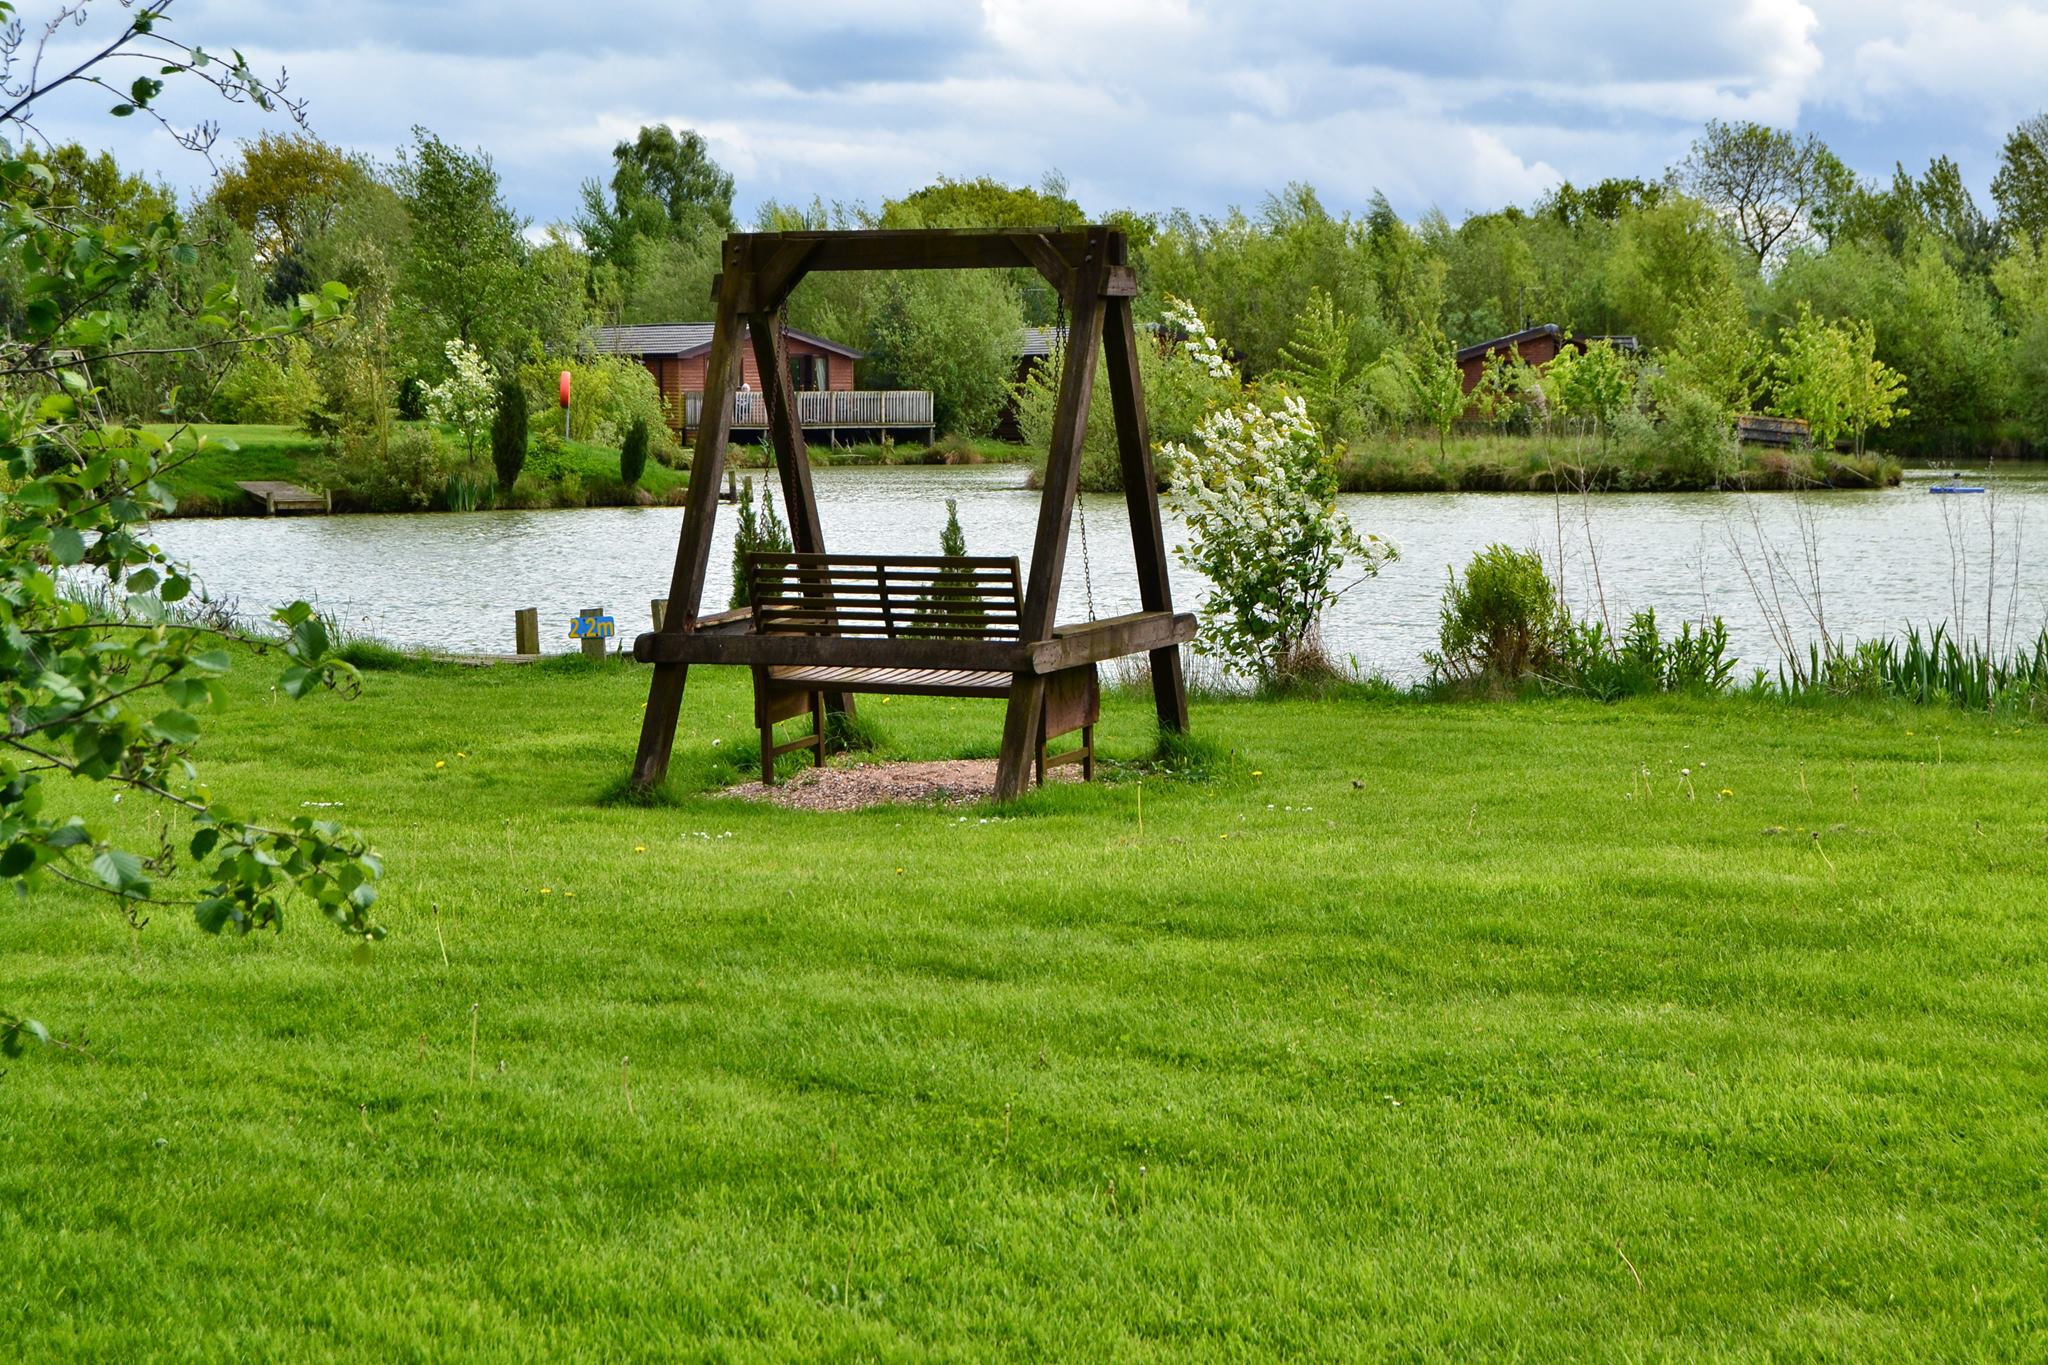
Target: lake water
[{"x": 1882, "y": 560}]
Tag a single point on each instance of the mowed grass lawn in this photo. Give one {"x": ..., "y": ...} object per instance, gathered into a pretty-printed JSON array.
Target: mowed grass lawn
[{"x": 1435, "y": 1031}]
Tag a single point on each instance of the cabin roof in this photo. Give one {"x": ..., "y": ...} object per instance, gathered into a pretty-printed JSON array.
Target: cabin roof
[
  {"x": 1482, "y": 349},
  {"x": 1040, "y": 341},
  {"x": 686, "y": 338}
]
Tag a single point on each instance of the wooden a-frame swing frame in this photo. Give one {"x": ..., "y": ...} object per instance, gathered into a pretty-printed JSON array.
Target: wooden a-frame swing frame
[{"x": 1088, "y": 267}]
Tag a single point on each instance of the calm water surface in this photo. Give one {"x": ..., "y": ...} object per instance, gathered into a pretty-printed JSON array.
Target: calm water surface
[{"x": 451, "y": 581}]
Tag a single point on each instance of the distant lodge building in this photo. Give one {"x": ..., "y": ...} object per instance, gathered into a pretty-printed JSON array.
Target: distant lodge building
[
  {"x": 1533, "y": 346},
  {"x": 821, "y": 371}
]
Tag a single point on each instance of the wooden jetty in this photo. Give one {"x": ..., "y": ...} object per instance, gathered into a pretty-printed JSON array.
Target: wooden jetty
[{"x": 280, "y": 497}]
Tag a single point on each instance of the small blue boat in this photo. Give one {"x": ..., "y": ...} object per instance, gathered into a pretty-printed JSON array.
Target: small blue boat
[{"x": 1955, "y": 484}]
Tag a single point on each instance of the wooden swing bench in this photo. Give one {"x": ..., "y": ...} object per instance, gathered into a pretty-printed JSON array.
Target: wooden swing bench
[{"x": 824, "y": 627}]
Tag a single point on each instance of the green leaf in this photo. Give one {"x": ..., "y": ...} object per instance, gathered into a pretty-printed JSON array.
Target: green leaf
[
  {"x": 204, "y": 842},
  {"x": 18, "y": 858},
  {"x": 120, "y": 870},
  {"x": 174, "y": 727},
  {"x": 213, "y": 913},
  {"x": 70, "y": 834},
  {"x": 67, "y": 546}
]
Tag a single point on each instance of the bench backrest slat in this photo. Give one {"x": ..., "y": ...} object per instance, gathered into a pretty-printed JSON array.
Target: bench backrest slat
[{"x": 968, "y": 597}]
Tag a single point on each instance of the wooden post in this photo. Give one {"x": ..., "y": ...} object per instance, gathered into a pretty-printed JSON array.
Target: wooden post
[
  {"x": 526, "y": 630},
  {"x": 693, "y": 543},
  {"x": 1141, "y": 497},
  {"x": 658, "y": 608},
  {"x": 1055, "y": 515},
  {"x": 792, "y": 456},
  {"x": 594, "y": 647}
]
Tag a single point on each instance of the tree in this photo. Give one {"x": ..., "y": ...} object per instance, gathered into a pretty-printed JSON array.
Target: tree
[
  {"x": 508, "y": 431},
  {"x": 2020, "y": 188},
  {"x": 984, "y": 202},
  {"x": 1438, "y": 385},
  {"x": 1829, "y": 376},
  {"x": 1714, "y": 351},
  {"x": 101, "y": 690},
  {"x": 95, "y": 185},
  {"x": 1315, "y": 362},
  {"x": 462, "y": 275},
  {"x": 285, "y": 188},
  {"x": 633, "y": 453},
  {"x": 664, "y": 188},
  {"x": 1665, "y": 260},
  {"x": 1605, "y": 202},
  {"x": 464, "y": 399},
  {"x": 1874, "y": 389},
  {"x": 954, "y": 333},
  {"x": 1598, "y": 383},
  {"x": 1772, "y": 188}
]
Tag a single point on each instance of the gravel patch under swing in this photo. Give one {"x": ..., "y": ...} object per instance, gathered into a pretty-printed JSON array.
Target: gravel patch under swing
[{"x": 855, "y": 786}]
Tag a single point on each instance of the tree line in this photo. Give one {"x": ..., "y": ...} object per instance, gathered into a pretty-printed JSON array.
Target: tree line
[{"x": 1722, "y": 268}]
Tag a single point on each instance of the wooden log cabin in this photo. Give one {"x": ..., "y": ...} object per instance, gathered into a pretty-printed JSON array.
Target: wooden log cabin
[
  {"x": 1533, "y": 346},
  {"x": 821, "y": 372}
]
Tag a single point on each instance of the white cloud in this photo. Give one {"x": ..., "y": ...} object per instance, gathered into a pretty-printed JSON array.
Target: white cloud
[{"x": 1466, "y": 104}]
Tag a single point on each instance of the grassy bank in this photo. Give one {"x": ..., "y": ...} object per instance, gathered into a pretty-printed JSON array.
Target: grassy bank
[
  {"x": 945, "y": 450},
  {"x": 1520, "y": 464},
  {"x": 1672, "y": 1029},
  {"x": 206, "y": 485}
]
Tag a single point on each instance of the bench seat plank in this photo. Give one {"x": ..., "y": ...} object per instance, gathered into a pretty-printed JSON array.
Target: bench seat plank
[{"x": 918, "y": 682}]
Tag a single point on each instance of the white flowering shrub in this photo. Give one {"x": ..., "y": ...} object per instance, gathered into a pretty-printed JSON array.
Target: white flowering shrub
[
  {"x": 1259, "y": 495},
  {"x": 464, "y": 400}
]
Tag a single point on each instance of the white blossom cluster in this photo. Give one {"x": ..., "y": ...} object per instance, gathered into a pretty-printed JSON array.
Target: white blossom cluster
[
  {"x": 1259, "y": 495},
  {"x": 1201, "y": 347},
  {"x": 463, "y": 400}
]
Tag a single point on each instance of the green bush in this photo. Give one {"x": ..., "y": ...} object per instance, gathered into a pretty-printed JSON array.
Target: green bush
[
  {"x": 508, "y": 431},
  {"x": 609, "y": 392},
  {"x": 1501, "y": 621},
  {"x": 1692, "y": 443},
  {"x": 546, "y": 456},
  {"x": 633, "y": 453},
  {"x": 408, "y": 476},
  {"x": 271, "y": 386}
]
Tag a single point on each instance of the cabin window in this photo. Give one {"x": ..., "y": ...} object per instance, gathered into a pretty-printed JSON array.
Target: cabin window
[{"x": 807, "y": 372}]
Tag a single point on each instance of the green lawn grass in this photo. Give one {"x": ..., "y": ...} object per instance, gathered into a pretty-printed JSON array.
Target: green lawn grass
[
  {"x": 1428, "y": 1030},
  {"x": 207, "y": 483}
]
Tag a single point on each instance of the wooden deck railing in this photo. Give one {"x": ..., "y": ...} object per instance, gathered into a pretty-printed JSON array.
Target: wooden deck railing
[{"x": 820, "y": 408}]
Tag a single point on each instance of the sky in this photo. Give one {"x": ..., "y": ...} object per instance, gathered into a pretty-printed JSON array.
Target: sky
[{"x": 1462, "y": 105}]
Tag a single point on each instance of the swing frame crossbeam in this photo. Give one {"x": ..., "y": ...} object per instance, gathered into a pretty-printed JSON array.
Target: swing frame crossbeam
[{"x": 1089, "y": 270}]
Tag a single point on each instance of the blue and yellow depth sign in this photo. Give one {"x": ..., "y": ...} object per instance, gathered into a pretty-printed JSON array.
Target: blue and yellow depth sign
[{"x": 592, "y": 628}]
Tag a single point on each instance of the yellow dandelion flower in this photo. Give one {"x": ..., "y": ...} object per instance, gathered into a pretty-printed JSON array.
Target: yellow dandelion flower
[
  {"x": 460, "y": 754},
  {"x": 639, "y": 848},
  {"x": 547, "y": 891},
  {"x": 440, "y": 763},
  {"x": 1727, "y": 791},
  {"x": 1258, "y": 772}
]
